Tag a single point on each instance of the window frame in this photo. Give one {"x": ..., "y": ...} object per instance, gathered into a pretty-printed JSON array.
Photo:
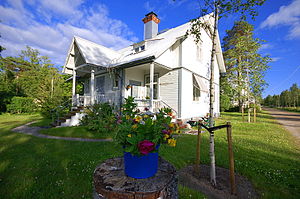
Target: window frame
[{"x": 196, "y": 90}]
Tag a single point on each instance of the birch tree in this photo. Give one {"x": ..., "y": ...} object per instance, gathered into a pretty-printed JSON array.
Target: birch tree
[{"x": 217, "y": 10}]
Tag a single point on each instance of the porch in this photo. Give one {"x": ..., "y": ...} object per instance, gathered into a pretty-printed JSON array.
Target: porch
[{"x": 113, "y": 85}]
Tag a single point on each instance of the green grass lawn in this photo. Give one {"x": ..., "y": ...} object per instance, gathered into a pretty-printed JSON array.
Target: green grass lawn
[
  {"x": 76, "y": 131},
  {"x": 292, "y": 109},
  {"x": 33, "y": 167}
]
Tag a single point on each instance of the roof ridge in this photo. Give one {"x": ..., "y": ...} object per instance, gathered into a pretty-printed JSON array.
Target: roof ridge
[{"x": 95, "y": 43}]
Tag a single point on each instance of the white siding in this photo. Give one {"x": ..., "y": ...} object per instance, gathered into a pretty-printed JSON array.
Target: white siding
[
  {"x": 190, "y": 61},
  {"x": 189, "y": 107},
  {"x": 171, "y": 57},
  {"x": 169, "y": 89}
]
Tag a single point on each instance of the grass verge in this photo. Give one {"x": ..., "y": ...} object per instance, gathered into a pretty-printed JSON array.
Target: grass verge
[{"x": 291, "y": 109}]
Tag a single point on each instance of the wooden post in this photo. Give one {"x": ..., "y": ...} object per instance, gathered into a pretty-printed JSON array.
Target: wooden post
[
  {"x": 254, "y": 114},
  {"x": 197, "y": 166},
  {"x": 243, "y": 114},
  {"x": 231, "y": 160},
  {"x": 249, "y": 114}
]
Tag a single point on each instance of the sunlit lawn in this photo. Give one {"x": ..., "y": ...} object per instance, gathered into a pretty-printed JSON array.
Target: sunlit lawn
[
  {"x": 79, "y": 131},
  {"x": 33, "y": 167},
  {"x": 264, "y": 152}
]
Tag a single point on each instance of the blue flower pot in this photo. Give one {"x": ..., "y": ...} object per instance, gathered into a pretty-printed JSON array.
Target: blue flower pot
[{"x": 140, "y": 167}]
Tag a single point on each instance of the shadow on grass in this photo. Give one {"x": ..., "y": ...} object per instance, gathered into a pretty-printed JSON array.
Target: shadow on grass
[{"x": 39, "y": 168}]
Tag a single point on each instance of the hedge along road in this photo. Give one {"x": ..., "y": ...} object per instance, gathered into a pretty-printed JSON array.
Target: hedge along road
[
  {"x": 290, "y": 120},
  {"x": 34, "y": 131}
]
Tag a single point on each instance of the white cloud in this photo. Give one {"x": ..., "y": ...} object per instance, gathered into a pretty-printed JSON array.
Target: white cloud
[
  {"x": 286, "y": 16},
  {"x": 149, "y": 7},
  {"x": 50, "y": 25},
  {"x": 274, "y": 59},
  {"x": 266, "y": 46}
]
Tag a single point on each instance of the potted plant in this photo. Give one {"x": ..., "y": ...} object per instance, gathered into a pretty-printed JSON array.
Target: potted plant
[{"x": 141, "y": 134}]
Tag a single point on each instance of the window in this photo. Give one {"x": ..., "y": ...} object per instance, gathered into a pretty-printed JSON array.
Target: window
[
  {"x": 139, "y": 49},
  {"x": 155, "y": 85},
  {"x": 196, "y": 90},
  {"x": 116, "y": 81},
  {"x": 100, "y": 84},
  {"x": 86, "y": 86}
]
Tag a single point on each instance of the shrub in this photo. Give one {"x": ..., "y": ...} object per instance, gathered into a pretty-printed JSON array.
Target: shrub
[
  {"x": 58, "y": 103},
  {"x": 257, "y": 106},
  {"x": 22, "y": 105},
  {"x": 100, "y": 118},
  {"x": 225, "y": 103}
]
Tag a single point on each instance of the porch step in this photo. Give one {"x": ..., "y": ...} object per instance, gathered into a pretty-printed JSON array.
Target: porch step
[{"x": 67, "y": 116}]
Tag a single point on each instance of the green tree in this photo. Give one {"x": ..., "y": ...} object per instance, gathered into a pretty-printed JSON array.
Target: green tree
[
  {"x": 244, "y": 65},
  {"x": 34, "y": 76},
  {"x": 1, "y": 47},
  {"x": 295, "y": 91},
  {"x": 218, "y": 10}
]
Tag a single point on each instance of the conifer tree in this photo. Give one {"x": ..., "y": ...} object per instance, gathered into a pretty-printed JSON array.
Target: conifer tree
[{"x": 245, "y": 66}]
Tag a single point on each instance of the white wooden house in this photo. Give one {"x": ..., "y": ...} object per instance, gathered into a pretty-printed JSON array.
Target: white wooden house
[{"x": 166, "y": 69}]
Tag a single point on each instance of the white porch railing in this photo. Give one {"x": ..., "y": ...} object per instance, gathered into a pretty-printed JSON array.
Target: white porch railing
[
  {"x": 145, "y": 103},
  {"x": 85, "y": 100},
  {"x": 111, "y": 98}
]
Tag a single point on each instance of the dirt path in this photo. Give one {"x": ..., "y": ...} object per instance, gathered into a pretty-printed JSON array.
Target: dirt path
[
  {"x": 290, "y": 120},
  {"x": 34, "y": 131}
]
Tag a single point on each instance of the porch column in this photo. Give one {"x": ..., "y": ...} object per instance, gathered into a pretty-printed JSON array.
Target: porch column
[
  {"x": 151, "y": 85},
  {"x": 74, "y": 100},
  {"x": 92, "y": 87}
]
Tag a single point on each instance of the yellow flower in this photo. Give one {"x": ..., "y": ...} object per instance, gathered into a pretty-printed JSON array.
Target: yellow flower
[
  {"x": 138, "y": 118},
  {"x": 171, "y": 125},
  {"x": 166, "y": 136},
  {"x": 146, "y": 116},
  {"x": 127, "y": 117},
  {"x": 129, "y": 135},
  {"x": 134, "y": 126},
  {"x": 172, "y": 142}
]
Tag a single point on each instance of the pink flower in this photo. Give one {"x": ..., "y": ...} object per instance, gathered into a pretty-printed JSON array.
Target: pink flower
[
  {"x": 146, "y": 147},
  {"x": 119, "y": 121}
]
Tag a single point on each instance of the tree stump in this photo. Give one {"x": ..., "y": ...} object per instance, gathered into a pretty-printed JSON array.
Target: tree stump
[{"x": 110, "y": 181}]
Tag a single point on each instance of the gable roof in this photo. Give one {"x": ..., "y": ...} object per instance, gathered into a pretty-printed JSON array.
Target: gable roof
[
  {"x": 99, "y": 55},
  {"x": 94, "y": 53}
]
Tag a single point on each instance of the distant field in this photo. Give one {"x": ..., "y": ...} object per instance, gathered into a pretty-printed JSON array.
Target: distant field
[{"x": 293, "y": 109}]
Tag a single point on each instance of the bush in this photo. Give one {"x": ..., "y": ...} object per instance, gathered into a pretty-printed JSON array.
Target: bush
[
  {"x": 22, "y": 105},
  {"x": 257, "y": 106},
  {"x": 225, "y": 103},
  {"x": 233, "y": 109},
  {"x": 51, "y": 105},
  {"x": 100, "y": 118}
]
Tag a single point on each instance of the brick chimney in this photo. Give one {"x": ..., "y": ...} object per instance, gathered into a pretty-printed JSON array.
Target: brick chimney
[{"x": 150, "y": 25}]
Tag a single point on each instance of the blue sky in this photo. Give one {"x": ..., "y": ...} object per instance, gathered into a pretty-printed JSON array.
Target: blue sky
[{"x": 49, "y": 25}]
